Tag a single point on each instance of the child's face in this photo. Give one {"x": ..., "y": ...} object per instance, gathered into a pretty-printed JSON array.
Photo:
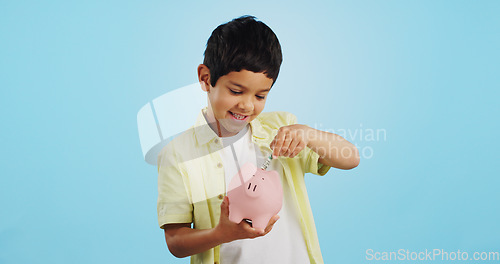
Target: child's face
[{"x": 237, "y": 99}]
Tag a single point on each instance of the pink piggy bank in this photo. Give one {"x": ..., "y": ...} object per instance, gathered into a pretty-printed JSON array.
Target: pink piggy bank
[{"x": 254, "y": 194}]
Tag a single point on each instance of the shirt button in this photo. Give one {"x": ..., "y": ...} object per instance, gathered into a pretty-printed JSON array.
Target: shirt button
[
  {"x": 216, "y": 141},
  {"x": 221, "y": 196},
  {"x": 219, "y": 165}
]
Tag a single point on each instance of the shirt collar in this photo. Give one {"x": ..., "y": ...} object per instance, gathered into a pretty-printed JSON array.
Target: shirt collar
[{"x": 202, "y": 131}]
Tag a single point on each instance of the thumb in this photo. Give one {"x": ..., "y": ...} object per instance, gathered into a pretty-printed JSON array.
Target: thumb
[{"x": 224, "y": 207}]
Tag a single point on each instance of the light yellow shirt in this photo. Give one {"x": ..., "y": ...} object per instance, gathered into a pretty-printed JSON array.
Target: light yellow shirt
[{"x": 191, "y": 184}]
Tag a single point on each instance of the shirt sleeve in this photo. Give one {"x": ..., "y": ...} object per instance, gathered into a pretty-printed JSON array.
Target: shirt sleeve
[
  {"x": 174, "y": 205},
  {"x": 312, "y": 163}
]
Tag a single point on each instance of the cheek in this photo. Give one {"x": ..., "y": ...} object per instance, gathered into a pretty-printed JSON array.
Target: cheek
[
  {"x": 259, "y": 106},
  {"x": 229, "y": 103},
  {"x": 223, "y": 103}
]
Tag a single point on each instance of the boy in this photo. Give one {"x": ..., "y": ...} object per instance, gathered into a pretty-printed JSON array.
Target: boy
[{"x": 241, "y": 64}]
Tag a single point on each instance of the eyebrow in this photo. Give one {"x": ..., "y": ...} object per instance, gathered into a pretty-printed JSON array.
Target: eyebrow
[{"x": 241, "y": 86}]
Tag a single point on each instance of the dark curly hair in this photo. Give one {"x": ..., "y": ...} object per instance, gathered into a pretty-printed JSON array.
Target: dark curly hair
[{"x": 243, "y": 43}]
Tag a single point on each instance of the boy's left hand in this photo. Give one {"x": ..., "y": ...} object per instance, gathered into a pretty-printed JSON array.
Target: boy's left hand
[{"x": 290, "y": 140}]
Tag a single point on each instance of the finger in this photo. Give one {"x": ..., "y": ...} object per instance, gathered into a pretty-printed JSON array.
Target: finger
[
  {"x": 298, "y": 149},
  {"x": 286, "y": 144},
  {"x": 251, "y": 232},
  {"x": 278, "y": 142},
  {"x": 293, "y": 145},
  {"x": 271, "y": 223},
  {"x": 278, "y": 145},
  {"x": 224, "y": 207}
]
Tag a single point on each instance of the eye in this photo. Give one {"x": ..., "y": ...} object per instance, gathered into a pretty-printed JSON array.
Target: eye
[
  {"x": 235, "y": 92},
  {"x": 260, "y": 97}
]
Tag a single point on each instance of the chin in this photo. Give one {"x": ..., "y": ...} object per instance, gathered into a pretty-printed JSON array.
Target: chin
[{"x": 232, "y": 128}]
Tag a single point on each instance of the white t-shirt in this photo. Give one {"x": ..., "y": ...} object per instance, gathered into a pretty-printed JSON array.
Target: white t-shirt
[{"x": 285, "y": 243}]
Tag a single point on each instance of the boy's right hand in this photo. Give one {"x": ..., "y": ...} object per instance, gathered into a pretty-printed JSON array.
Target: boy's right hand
[{"x": 229, "y": 231}]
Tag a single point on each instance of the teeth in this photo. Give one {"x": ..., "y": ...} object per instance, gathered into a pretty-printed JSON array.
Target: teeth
[{"x": 238, "y": 116}]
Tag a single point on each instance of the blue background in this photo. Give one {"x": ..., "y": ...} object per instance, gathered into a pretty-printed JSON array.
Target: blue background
[{"x": 74, "y": 187}]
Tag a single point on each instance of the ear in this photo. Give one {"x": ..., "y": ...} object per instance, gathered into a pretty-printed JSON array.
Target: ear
[{"x": 204, "y": 77}]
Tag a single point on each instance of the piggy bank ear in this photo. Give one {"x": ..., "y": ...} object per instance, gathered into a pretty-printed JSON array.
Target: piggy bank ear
[{"x": 274, "y": 177}]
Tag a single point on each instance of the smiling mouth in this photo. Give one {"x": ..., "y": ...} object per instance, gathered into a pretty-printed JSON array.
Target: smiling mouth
[{"x": 238, "y": 116}]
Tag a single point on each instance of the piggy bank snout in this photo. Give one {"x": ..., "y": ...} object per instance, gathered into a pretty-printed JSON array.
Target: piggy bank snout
[{"x": 255, "y": 186}]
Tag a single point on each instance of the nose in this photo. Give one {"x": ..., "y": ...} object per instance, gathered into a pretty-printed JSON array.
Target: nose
[{"x": 246, "y": 104}]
